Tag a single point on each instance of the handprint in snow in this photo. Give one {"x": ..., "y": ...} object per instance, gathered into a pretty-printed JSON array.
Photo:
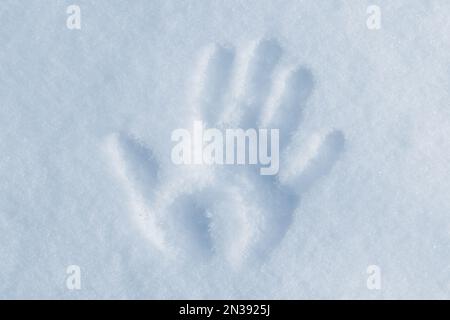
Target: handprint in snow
[{"x": 231, "y": 212}]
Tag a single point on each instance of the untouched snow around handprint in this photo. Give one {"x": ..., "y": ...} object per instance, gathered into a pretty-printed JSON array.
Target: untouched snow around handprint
[{"x": 86, "y": 178}]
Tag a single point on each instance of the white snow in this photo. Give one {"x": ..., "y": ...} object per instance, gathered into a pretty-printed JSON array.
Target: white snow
[{"x": 86, "y": 177}]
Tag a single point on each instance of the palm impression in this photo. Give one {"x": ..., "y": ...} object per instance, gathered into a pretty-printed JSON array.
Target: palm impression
[{"x": 229, "y": 212}]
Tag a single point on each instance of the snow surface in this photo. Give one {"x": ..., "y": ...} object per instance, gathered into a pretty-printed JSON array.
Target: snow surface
[{"x": 85, "y": 172}]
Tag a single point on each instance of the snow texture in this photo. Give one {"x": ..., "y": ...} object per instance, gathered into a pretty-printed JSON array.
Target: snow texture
[{"x": 86, "y": 176}]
